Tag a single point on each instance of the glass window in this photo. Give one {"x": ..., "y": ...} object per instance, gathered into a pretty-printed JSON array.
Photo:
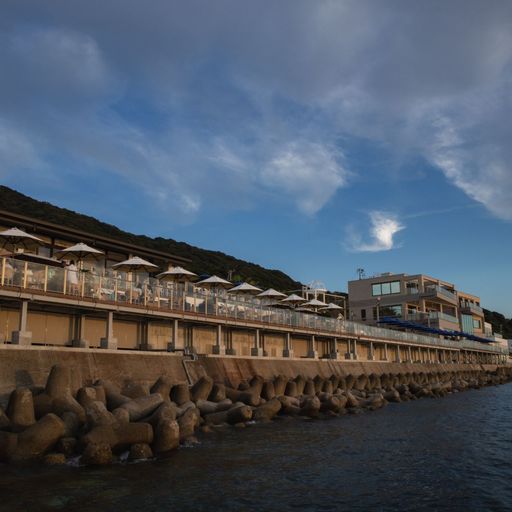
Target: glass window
[
  {"x": 363, "y": 314},
  {"x": 395, "y": 287},
  {"x": 477, "y": 324},
  {"x": 376, "y": 290},
  {"x": 386, "y": 288}
]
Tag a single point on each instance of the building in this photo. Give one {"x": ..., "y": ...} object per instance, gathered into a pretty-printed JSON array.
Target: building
[
  {"x": 416, "y": 298},
  {"x": 45, "y": 303}
]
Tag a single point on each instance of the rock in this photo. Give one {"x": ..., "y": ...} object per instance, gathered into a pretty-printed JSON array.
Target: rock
[
  {"x": 86, "y": 395},
  {"x": 100, "y": 393},
  {"x": 42, "y": 405},
  {"x": 134, "y": 390},
  {"x": 167, "y": 411},
  {"x": 163, "y": 387},
  {"x": 113, "y": 397},
  {"x": 205, "y": 429},
  {"x": 392, "y": 396},
  {"x": 140, "y": 407},
  {"x": 54, "y": 459},
  {"x": 188, "y": 423},
  {"x": 201, "y": 389},
  {"x": 249, "y": 397},
  {"x": 309, "y": 388},
  {"x": 352, "y": 401},
  {"x": 121, "y": 415},
  {"x": 140, "y": 451},
  {"x": 66, "y": 403},
  {"x": 280, "y": 384},
  {"x": 39, "y": 438},
  {"x": 237, "y": 414},
  {"x": 218, "y": 393},
  {"x": 350, "y": 381},
  {"x": 71, "y": 424},
  {"x": 328, "y": 387},
  {"x": 240, "y": 425},
  {"x": 267, "y": 411},
  {"x": 257, "y": 384},
  {"x": 167, "y": 437},
  {"x": 331, "y": 403},
  {"x": 67, "y": 446},
  {"x": 59, "y": 381},
  {"x": 318, "y": 382},
  {"x": 291, "y": 389},
  {"x": 97, "y": 414},
  {"x": 20, "y": 409},
  {"x": 300, "y": 381},
  {"x": 184, "y": 408},
  {"x": 268, "y": 390},
  {"x": 97, "y": 454},
  {"x": 310, "y": 407},
  {"x": 206, "y": 407},
  {"x": 361, "y": 382},
  {"x": 120, "y": 436},
  {"x": 335, "y": 381},
  {"x": 180, "y": 394},
  {"x": 243, "y": 386}
]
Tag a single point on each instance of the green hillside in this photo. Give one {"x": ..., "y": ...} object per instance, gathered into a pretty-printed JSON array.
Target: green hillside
[{"x": 203, "y": 261}]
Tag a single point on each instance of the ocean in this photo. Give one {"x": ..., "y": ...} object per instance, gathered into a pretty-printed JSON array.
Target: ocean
[{"x": 453, "y": 453}]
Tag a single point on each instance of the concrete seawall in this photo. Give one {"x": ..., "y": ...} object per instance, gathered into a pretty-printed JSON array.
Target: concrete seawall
[{"x": 30, "y": 366}]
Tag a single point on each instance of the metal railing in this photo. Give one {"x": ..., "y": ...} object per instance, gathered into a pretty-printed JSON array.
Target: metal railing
[{"x": 187, "y": 298}]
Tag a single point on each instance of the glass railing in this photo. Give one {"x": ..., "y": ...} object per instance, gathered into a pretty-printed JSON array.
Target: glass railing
[
  {"x": 187, "y": 298},
  {"x": 472, "y": 307},
  {"x": 432, "y": 289}
]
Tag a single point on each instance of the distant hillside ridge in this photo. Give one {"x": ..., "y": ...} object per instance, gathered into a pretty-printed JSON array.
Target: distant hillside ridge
[{"x": 203, "y": 261}]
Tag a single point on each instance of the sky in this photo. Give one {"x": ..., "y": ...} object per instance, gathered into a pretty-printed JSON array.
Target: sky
[{"x": 315, "y": 137}]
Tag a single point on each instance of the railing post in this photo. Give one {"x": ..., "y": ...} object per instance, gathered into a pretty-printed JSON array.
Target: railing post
[
  {"x": 145, "y": 294},
  {"x": 3, "y": 270},
  {"x": 64, "y": 285},
  {"x": 25, "y": 272},
  {"x": 45, "y": 284}
]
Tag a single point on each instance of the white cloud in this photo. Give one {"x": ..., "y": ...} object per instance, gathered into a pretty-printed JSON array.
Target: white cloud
[
  {"x": 310, "y": 173},
  {"x": 384, "y": 227}
]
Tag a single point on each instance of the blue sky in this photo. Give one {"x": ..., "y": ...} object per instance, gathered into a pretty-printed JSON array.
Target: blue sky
[{"x": 313, "y": 137}]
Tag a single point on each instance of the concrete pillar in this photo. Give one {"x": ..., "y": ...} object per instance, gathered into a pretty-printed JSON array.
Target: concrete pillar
[
  {"x": 348, "y": 353},
  {"x": 371, "y": 354},
  {"x": 144, "y": 336},
  {"x": 219, "y": 347},
  {"x": 175, "y": 343},
  {"x": 230, "y": 351},
  {"x": 288, "y": 348},
  {"x": 312, "y": 351},
  {"x": 398, "y": 358},
  {"x": 354, "y": 350},
  {"x": 256, "y": 350},
  {"x": 79, "y": 340},
  {"x": 22, "y": 336},
  {"x": 385, "y": 351},
  {"x": 409, "y": 354},
  {"x": 109, "y": 341},
  {"x": 334, "y": 350}
]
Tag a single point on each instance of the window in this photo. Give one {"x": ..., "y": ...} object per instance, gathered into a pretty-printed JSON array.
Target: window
[
  {"x": 363, "y": 314},
  {"x": 477, "y": 324},
  {"x": 386, "y": 288},
  {"x": 392, "y": 311}
]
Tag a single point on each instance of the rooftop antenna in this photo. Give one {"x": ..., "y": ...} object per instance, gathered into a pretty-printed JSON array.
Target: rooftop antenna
[{"x": 361, "y": 273}]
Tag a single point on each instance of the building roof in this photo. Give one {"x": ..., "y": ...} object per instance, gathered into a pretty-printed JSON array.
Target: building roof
[{"x": 75, "y": 235}]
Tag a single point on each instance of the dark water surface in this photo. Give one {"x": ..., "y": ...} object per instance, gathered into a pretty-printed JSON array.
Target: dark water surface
[{"x": 453, "y": 453}]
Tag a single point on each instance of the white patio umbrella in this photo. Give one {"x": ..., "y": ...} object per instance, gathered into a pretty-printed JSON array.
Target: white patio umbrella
[
  {"x": 176, "y": 274},
  {"x": 293, "y": 299},
  {"x": 331, "y": 307},
  {"x": 245, "y": 288},
  {"x": 270, "y": 293},
  {"x": 12, "y": 238},
  {"x": 135, "y": 264},
  {"x": 314, "y": 303},
  {"x": 214, "y": 282},
  {"x": 80, "y": 251}
]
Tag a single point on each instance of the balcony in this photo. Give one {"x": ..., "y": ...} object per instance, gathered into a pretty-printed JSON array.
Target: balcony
[
  {"x": 433, "y": 319},
  {"x": 440, "y": 293},
  {"x": 472, "y": 309}
]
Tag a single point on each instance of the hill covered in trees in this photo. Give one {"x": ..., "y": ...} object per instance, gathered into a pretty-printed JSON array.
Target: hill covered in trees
[
  {"x": 202, "y": 260},
  {"x": 499, "y": 323}
]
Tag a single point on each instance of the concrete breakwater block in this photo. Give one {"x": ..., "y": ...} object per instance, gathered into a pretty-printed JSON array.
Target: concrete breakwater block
[{"x": 100, "y": 419}]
